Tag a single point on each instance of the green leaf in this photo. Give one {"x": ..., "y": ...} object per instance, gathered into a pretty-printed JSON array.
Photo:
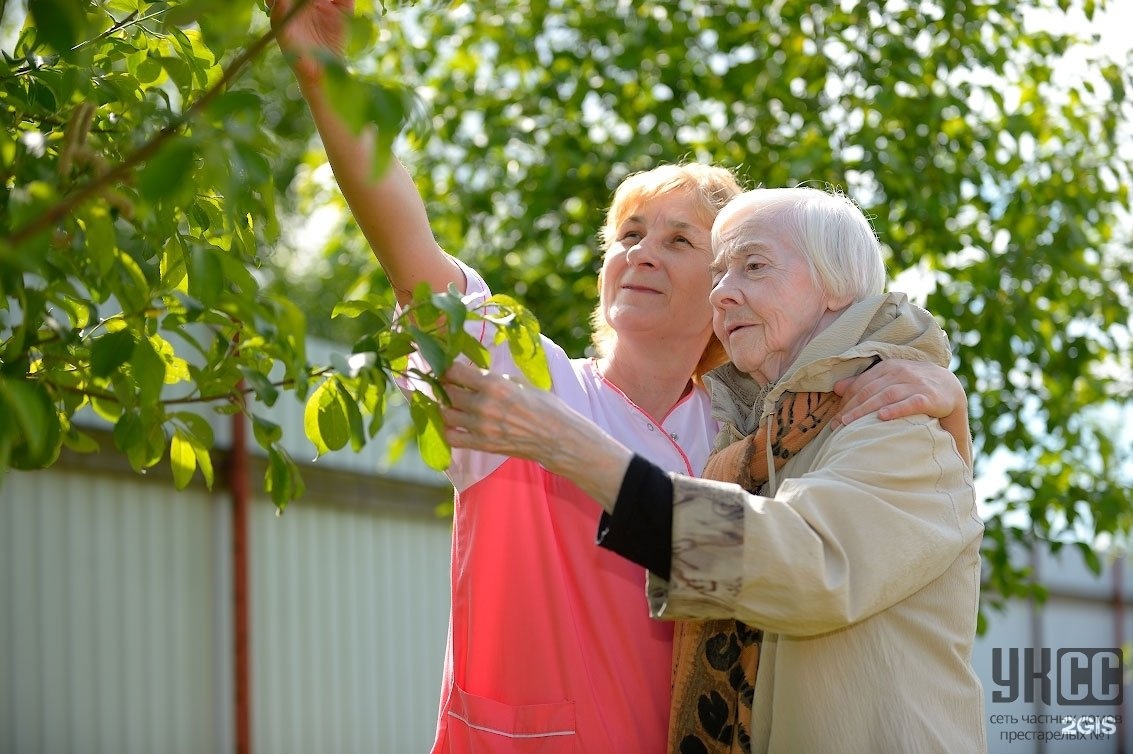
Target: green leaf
[
  {"x": 267, "y": 433},
  {"x": 236, "y": 102},
  {"x": 426, "y": 415},
  {"x": 521, "y": 330},
  {"x": 149, "y": 372},
  {"x": 431, "y": 350},
  {"x": 176, "y": 368},
  {"x": 347, "y": 95},
  {"x": 451, "y": 304},
  {"x": 204, "y": 462},
  {"x": 130, "y": 285},
  {"x": 172, "y": 267},
  {"x": 384, "y": 104},
  {"x": 474, "y": 350},
  {"x": 351, "y": 309},
  {"x": 277, "y": 477},
  {"x": 26, "y": 203},
  {"x": 377, "y": 416},
  {"x": 39, "y": 434},
  {"x": 152, "y": 450},
  {"x": 168, "y": 170},
  {"x": 236, "y": 275},
  {"x": 141, "y": 437},
  {"x": 197, "y": 426},
  {"x": 148, "y": 70},
  {"x": 101, "y": 240},
  {"x": 292, "y": 327},
  {"x": 206, "y": 279},
  {"x": 59, "y": 23},
  {"x": 223, "y": 23},
  {"x": 182, "y": 459},
  {"x": 265, "y": 391},
  {"x": 110, "y": 351},
  {"x": 282, "y": 478},
  {"x": 79, "y": 442},
  {"x": 326, "y": 419},
  {"x": 354, "y": 420},
  {"x": 128, "y": 431}
]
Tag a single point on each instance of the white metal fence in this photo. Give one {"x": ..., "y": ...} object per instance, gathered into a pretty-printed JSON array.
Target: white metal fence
[
  {"x": 116, "y": 622},
  {"x": 116, "y": 629}
]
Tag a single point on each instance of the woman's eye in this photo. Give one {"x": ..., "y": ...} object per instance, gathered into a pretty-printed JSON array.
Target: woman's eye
[{"x": 631, "y": 235}]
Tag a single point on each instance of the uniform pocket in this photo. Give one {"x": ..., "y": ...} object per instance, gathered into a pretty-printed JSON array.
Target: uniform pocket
[{"x": 478, "y": 725}]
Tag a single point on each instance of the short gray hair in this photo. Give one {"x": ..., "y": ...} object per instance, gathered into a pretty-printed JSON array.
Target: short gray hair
[{"x": 830, "y": 229}]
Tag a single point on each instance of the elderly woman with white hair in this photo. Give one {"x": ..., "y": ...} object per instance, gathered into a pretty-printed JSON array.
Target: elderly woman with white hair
[{"x": 844, "y": 561}]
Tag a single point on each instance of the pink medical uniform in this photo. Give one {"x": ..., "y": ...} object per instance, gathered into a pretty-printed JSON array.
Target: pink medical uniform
[{"x": 550, "y": 647}]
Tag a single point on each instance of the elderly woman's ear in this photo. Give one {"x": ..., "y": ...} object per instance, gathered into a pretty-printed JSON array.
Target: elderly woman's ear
[{"x": 840, "y": 303}]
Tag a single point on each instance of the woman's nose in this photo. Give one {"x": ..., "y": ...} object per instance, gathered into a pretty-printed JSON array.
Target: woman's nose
[
  {"x": 723, "y": 293},
  {"x": 642, "y": 252}
]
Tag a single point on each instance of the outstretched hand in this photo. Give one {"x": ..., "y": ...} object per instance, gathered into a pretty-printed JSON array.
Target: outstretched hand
[
  {"x": 501, "y": 414},
  {"x": 498, "y": 413},
  {"x": 318, "y": 27}
]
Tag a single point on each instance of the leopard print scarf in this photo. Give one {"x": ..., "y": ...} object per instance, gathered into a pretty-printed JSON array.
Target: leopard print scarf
[{"x": 715, "y": 661}]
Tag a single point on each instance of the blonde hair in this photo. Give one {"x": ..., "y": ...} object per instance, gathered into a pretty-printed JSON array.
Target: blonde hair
[
  {"x": 712, "y": 187},
  {"x": 828, "y": 227}
]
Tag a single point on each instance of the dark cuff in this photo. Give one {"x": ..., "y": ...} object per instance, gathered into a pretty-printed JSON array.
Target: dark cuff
[{"x": 641, "y": 527}]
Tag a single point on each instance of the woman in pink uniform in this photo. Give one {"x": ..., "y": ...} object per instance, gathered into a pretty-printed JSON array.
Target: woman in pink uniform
[{"x": 550, "y": 648}]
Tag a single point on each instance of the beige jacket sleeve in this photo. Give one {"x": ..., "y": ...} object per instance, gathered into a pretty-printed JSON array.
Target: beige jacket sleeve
[{"x": 885, "y": 508}]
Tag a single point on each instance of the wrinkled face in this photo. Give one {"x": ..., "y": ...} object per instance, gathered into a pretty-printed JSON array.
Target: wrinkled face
[
  {"x": 766, "y": 305},
  {"x": 655, "y": 277}
]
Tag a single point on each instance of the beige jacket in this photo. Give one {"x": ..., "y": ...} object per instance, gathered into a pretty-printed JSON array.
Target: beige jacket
[{"x": 862, "y": 563}]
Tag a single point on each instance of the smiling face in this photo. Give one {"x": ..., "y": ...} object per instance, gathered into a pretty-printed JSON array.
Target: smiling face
[
  {"x": 655, "y": 277},
  {"x": 767, "y": 304}
]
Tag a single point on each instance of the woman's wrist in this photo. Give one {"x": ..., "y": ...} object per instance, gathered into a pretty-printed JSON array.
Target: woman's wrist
[{"x": 596, "y": 464}]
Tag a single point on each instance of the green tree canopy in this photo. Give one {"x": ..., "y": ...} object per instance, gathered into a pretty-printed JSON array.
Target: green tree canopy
[{"x": 156, "y": 157}]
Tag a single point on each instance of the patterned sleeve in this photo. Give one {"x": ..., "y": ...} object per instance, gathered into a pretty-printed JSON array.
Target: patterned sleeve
[{"x": 886, "y": 508}]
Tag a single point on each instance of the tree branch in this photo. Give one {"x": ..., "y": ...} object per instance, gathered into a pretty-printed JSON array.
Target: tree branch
[
  {"x": 230, "y": 396},
  {"x": 51, "y": 217}
]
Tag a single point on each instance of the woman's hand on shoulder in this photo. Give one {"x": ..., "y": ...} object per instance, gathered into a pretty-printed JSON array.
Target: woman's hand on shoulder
[{"x": 896, "y": 388}]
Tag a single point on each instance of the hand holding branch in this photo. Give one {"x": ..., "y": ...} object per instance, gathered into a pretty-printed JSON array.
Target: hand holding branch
[{"x": 501, "y": 414}]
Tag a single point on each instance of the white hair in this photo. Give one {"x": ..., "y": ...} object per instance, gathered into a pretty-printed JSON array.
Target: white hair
[{"x": 828, "y": 227}]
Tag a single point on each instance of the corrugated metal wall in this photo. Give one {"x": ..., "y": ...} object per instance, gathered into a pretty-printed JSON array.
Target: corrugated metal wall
[
  {"x": 349, "y": 616},
  {"x": 108, "y": 637},
  {"x": 116, "y": 617}
]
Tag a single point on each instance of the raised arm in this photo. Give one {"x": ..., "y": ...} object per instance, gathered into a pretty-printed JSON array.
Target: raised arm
[{"x": 389, "y": 209}]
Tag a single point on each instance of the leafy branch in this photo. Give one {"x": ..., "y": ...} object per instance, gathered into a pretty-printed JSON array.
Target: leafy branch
[
  {"x": 178, "y": 253},
  {"x": 121, "y": 172}
]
